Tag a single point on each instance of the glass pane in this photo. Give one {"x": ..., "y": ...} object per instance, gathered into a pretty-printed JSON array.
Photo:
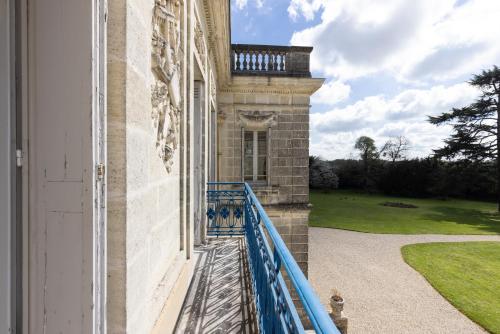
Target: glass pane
[
  {"x": 248, "y": 168},
  {"x": 262, "y": 142},
  {"x": 248, "y": 145},
  {"x": 248, "y": 156},
  {"x": 261, "y": 167}
]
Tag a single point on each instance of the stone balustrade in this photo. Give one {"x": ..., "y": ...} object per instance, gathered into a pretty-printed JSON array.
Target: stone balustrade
[{"x": 270, "y": 60}]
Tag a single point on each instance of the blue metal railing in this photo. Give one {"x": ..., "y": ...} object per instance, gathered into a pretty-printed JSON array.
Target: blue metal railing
[
  {"x": 225, "y": 207},
  {"x": 276, "y": 311}
]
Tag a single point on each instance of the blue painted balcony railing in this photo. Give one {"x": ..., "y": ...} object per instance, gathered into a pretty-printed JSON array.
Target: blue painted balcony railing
[{"x": 233, "y": 209}]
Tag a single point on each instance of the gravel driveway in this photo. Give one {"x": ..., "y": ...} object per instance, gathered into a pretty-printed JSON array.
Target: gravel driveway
[{"x": 382, "y": 293}]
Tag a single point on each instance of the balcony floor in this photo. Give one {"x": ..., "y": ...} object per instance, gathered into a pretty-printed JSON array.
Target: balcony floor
[{"x": 219, "y": 299}]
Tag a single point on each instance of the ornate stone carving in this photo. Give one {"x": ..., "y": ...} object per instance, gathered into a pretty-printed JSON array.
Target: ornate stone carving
[
  {"x": 165, "y": 122},
  {"x": 257, "y": 119},
  {"x": 166, "y": 62},
  {"x": 199, "y": 41},
  {"x": 222, "y": 114}
]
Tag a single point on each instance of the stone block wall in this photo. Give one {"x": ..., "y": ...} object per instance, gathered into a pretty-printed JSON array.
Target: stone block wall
[
  {"x": 291, "y": 221},
  {"x": 289, "y": 155},
  {"x": 151, "y": 149},
  {"x": 289, "y": 158},
  {"x": 144, "y": 219},
  {"x": 286, "y": 194}
]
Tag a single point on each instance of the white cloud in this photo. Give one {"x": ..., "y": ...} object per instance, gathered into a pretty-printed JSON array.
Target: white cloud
[
  {"x": 428, "y": 44},
  {"x": 306, "y": 8},
  {"x": 331, "y": 93},
  {"x": 242, "y": 4},
  {"x": 413, "y": 40},
  {"x": 333, "y": 133}
]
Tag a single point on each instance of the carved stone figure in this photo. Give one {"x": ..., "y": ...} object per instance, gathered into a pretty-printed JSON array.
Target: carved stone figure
[{"x": 166, "y": 62}]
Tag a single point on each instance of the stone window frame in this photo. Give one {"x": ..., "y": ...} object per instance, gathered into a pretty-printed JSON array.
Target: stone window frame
[
  {"x": 255, "y": 155},
  {"x": 257, "y": 120}
]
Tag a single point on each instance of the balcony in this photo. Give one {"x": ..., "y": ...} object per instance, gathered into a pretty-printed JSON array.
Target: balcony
[
  {"x": 239, "y": 283},
  {"x": 270, "y": 60}
]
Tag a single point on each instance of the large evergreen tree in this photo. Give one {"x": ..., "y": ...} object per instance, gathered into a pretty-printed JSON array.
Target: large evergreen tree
[{"x": 475, "y": 127}]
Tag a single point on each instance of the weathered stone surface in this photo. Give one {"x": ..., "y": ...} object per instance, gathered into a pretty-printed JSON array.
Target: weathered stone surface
[{"x": 143, "y": 204}]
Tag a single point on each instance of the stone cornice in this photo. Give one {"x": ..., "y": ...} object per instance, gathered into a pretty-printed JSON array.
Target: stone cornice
[
  {"x": 266, "y": 106},
  {"x": 219, "y": 37},
  {"x": 273, "y": 85}
]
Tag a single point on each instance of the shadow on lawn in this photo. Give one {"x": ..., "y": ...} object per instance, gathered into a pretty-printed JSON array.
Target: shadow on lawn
[{"x": 486, "y": 221}]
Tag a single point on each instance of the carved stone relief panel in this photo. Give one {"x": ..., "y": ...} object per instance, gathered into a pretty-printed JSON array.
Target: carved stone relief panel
[
  {"x": 199, "y": 41},
  {"x": 166, "y": 62},
  {"x": 255, "y": 120}
]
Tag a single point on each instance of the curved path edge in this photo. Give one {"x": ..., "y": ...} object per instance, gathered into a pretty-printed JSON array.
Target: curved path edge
[{"x": 382, "y": 292}]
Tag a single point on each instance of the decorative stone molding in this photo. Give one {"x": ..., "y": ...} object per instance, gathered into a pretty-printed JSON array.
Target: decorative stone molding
[
  {"x": 272, "y": 85},
  {"x": 213, "y": 88},
  {"x": 199, "y": 42},
  {"x": 217, "y": 18},
  {"x": 257, "y": 119},
  {"x": 166, "y": 63}
]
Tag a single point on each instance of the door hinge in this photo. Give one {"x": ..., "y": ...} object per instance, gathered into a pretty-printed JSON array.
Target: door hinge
[
  {"x": 19, "y": 158},
  {"x": 100, "y": 171}
]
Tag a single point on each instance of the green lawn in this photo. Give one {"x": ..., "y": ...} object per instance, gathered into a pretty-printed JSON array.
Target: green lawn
[
  {"x": 467, "y": 274},
  {"x": 363, "y": 212}
]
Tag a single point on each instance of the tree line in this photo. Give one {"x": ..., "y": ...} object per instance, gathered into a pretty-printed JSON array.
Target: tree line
[{"x": 466, "y": 166}]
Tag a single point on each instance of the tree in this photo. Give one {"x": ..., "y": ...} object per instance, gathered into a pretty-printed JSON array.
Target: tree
[
  {"x": 367, "y": 148},
  {"x": 321, "y": 174},
  {"x": 475, "y": 127},
  {"x": 395, "y": 148},
  {"x": 368, "y": 153}
]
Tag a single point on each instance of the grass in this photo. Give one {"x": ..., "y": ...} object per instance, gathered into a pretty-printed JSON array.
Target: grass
[
  {"x": 467, "y": 274},
  {"x": 362, "y": 212}
]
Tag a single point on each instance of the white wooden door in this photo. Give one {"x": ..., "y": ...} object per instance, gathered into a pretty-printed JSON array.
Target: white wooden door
[{"x": 67, "y": 166}]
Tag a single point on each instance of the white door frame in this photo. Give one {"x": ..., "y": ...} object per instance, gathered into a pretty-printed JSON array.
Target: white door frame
[
  {"x": 100, "y": 154},
  {"x": 7, "y": 169},
  {"x": 197, "y": 163}
]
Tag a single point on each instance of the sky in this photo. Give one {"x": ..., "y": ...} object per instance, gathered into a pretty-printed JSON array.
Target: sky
[{"x": 387, "y": 64}]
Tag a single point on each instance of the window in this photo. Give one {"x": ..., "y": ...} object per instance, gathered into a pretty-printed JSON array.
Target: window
[{"x": 255, "y": 156}]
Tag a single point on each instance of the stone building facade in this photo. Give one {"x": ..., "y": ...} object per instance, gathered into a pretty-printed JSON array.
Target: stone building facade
[
  {"x": 277, "y": 108},
  {"x": 122, "y": 111}
]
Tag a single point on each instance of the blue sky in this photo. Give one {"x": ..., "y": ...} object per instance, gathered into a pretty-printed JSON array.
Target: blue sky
[{"x": 387, "y": 64}]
